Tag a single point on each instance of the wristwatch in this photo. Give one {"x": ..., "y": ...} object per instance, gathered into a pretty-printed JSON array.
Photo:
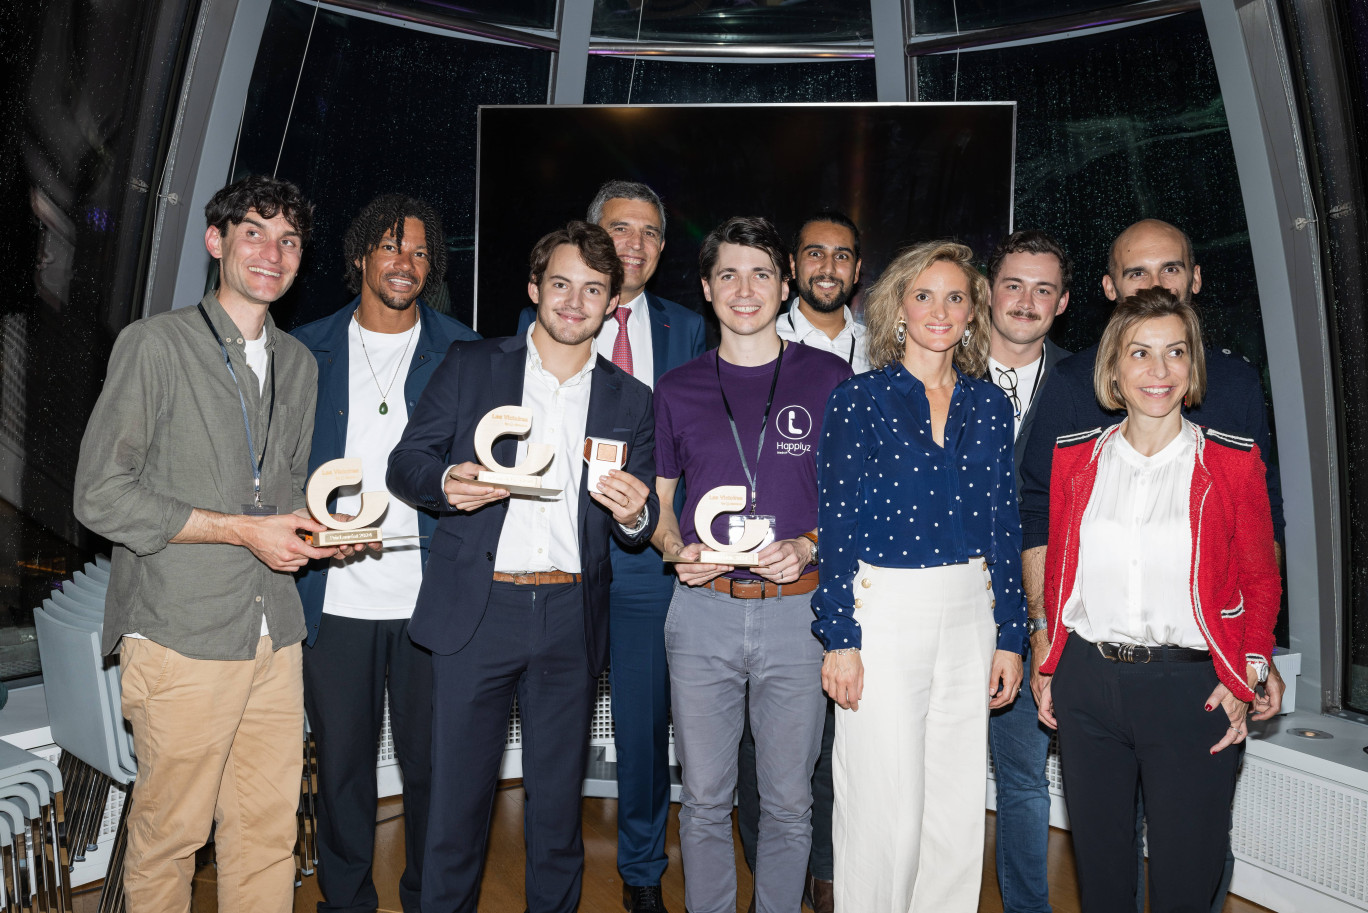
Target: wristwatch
[
  {"x": 811, "y": 537},
  {"x": 1035, "y": 624}
]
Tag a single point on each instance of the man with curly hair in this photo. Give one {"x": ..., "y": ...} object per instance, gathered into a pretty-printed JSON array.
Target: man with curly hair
[
  {"x": 357, "y": 609},
  {"x": 192, "y": 463}
]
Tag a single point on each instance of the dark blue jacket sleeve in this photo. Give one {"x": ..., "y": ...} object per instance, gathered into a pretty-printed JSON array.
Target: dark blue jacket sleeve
[{"x": 1055, "y": 415}]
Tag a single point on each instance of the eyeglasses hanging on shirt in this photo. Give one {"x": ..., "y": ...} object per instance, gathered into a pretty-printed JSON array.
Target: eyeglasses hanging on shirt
[{"x": 1007, "y": 380}]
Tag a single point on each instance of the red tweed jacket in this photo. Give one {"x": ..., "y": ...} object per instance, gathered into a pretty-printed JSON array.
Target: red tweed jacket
[{"x": 1233, "y": 577}]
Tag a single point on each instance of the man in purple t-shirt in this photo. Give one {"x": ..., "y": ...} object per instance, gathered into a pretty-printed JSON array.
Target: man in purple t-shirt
[{"x": 747, "y": 415}]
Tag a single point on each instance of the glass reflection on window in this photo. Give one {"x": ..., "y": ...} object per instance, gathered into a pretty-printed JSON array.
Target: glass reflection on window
[{"x": 732, "y": 20}]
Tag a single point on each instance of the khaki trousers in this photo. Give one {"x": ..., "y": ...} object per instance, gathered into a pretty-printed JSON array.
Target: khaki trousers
[{"x": 218, "y": 742}]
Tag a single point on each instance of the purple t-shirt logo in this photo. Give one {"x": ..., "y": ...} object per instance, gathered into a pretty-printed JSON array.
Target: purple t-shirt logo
[{"x": 795, "y": 423}]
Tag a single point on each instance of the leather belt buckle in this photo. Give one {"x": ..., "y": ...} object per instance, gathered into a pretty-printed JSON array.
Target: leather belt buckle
[{"x": 1126, "y": 653}]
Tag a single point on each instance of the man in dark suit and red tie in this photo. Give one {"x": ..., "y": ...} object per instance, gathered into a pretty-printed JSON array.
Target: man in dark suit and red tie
[
  {"x": 647, "y": 337},
  {"x": 515, "y": 594}
]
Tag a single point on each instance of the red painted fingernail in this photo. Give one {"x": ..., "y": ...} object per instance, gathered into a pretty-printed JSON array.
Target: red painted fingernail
[{"x": 1208, "y": 706}]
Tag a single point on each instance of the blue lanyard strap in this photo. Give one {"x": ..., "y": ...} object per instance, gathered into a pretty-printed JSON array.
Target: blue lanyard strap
[{"x": 254, "y": 463}]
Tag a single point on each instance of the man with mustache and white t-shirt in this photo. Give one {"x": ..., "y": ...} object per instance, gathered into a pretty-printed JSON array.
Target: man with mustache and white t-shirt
[{"x": 1029, "y": 276}]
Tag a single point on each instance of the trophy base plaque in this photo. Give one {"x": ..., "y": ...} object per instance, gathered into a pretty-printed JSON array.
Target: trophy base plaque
[
  {"x": 735, "y": 559},
  {"x": 524, "y": 486},
  {"x": 330, "y": 538}
]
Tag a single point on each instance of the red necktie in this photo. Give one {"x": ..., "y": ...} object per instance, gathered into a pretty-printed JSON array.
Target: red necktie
[{"x": 622, "y": 346}]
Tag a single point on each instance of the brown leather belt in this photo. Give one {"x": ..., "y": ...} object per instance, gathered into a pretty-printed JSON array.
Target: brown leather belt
[
  {"x": 763, "y": 589},
  {"x": 536, "y": 578}
]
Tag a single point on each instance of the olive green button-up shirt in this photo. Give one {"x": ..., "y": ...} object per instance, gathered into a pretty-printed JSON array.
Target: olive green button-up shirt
[{"x": 167, "y": 436}]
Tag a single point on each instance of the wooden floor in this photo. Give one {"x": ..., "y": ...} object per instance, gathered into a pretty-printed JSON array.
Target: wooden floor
[{"x": 503, "y": 879}]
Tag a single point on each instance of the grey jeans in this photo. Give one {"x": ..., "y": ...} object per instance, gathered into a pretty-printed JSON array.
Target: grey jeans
[{"x": 716, "y": 644}]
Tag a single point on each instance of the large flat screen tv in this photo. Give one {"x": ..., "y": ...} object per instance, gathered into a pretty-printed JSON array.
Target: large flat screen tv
[{"x": 904, "y": 172}]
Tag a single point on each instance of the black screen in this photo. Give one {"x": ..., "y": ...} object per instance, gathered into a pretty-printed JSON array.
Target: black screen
[{"x": 903, "y": 172}]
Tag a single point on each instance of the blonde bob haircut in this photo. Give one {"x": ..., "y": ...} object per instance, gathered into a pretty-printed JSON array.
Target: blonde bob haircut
[
  {"x": 1146, "y": 304},
  {"x": 883, "y": 305}
]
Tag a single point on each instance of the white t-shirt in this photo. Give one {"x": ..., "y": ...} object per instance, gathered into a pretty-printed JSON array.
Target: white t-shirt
[
  {"x": 378, "y": 586},
  {"x": 1020, "y": 384}
]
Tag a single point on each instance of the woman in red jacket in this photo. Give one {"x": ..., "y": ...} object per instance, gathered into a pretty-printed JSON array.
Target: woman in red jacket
[{"x": 1161, "y": 590}]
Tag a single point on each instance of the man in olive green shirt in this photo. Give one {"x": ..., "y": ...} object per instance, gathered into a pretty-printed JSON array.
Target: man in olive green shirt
[{"x": 193, "y": 464}]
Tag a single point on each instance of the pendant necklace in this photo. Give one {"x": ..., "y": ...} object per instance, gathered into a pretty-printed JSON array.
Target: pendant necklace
[{"x": 384, "y": 394}]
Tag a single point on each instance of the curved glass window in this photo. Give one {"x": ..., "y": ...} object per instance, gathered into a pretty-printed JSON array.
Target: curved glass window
[
  {"x": 537, "y": 14},
  {"x": 651, "y": 81},
  {"x": 732, "y": 20},
  {"x": 380, "y": 109},
  {"x": 932, "y": 18},
  {"x": 85, "y": 101}
]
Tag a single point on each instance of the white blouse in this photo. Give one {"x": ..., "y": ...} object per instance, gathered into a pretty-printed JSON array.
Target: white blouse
[{"x": 1135, "y": 548}]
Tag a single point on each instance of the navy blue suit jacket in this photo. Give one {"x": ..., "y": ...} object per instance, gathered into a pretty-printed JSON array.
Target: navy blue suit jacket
[
  {"x": 474, "y": 378},
  {"x": 327, "y": 340},
  {"x": 1053, "y": 356},
  {"x": 677, "y": 335}
]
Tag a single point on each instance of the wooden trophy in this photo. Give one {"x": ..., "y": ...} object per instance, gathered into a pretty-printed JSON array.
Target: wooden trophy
[
  {"x": 523, "y": 479},
  {"x": 726, "y": 499},
  {"x": 332, "y": 475}
]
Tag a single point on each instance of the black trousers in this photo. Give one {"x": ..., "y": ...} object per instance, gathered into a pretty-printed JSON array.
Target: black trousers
[
  {"x": 346, "y": 673},
  {"x": 1123, "y": 725},
  {"x": 529, "y": 643}
]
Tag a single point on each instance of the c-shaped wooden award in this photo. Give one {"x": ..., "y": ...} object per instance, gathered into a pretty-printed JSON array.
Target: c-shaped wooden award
[
  {"x": 332, "y": 475},
  {"x": 522, "y": 479},
  {"x": 725, "y": 499}
]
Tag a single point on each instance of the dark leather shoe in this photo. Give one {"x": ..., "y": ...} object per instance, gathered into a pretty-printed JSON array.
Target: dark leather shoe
[
  {"x": 818, "y": 895},
  {"x": 643, "y": 899}
]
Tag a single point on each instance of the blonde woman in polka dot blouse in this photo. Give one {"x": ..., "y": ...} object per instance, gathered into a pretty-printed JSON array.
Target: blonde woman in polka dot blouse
[{"x": 920, "y": 605}]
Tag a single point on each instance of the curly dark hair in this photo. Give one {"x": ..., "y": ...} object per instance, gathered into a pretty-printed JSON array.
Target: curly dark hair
[
  {"x": 387, "y": 213},
  {"x": 595, "y": 248},
  {"x": 268, "y": 196}
]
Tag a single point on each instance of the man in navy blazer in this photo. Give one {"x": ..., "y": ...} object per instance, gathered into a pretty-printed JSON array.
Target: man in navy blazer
[
  {"x": 655, "y": 336},
  {"x": 364, "y": 648},
  {"x": 515, "y": 595}
]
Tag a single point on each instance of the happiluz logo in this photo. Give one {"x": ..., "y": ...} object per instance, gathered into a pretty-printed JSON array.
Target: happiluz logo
[{"x": 794, "y": 422}]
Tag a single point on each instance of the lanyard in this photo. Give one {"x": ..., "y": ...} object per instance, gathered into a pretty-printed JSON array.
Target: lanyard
[
  {"x": 764, "y": 426},
  {"x": 254, "y": 464},
  {"x": 850, "y": 357}
]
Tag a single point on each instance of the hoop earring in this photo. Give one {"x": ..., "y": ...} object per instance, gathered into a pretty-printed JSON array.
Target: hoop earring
[
  {"x": 964, "y": 341},
  {"x": 900, "y": 331}
]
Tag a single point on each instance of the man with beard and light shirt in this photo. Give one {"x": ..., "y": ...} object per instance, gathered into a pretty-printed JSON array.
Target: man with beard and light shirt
[
  {"x": 826, "y": 268},
  {"x": 374, "y": 356},
  {"x": 734, "y": 630},
  {"x": 1028, "y": 277},
  {"x": 1148, "y": 253},
  {"x": 648, "y": 336},
  {"x": 515, "y": 594}
]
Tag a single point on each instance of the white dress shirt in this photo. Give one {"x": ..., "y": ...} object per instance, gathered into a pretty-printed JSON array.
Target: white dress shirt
[
  {"x": 638, "y": 334},
  {"x": 849, "y": 344},
  {"x": 542, "y": 534},
  {"x": 1027, "y": 379},
  {"x": 1135, "y": 548}
]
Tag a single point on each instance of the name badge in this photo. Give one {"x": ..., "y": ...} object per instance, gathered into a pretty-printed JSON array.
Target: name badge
[
  {"x": 736, "y": 524},
  {"x": 259, "y": 510}
]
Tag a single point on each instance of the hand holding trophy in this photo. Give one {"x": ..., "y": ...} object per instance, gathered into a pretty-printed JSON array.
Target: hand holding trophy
[
  {"x": 523, "y": 479},
  {"x": 726, "y": 499}
]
